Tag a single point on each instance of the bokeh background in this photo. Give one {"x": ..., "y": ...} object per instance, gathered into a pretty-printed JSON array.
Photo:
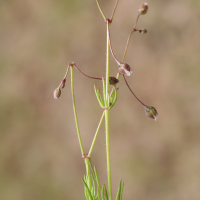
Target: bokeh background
[{"x": 40, "y": 158}]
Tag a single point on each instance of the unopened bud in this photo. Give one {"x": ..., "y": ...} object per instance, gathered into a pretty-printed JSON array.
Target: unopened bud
[
  {"x": 124, "y": 68},
  {"x": 144, "y": 31},
  {"x": 57, "y": 93},
  {"x": 113, "y": 80},
  {"x": 143, "y": 8},
  {"x": 151, "y": 112},
  {"x": 63, "y": 83}
]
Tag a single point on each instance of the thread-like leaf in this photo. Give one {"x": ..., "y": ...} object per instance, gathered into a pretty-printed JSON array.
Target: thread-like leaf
[
  {"x": 115, "y": 98},
  {"x": 98, "y": 192},
  {"x": 122, "y": 190},
  {"x": 88, "y": 191},
  {"x": 102, "y": 193},
  {"x": 96, "y": 175},
  {"x": 99, "y": 98},
  {"x": 119, "y": 191},
  {"x": 104, "y": 92},
  {"x": 94, "y": 185},
  {"x": 105, "y": 192}
]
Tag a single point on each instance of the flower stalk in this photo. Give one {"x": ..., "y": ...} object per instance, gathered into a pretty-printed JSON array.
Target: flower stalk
[{"x": 75, "y": 113}]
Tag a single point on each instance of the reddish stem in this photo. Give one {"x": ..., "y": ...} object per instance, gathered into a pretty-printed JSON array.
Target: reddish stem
[
  {"x": 108, "y": 21},
  {"x": 133, "y": 92},
  {"x": 74, "y": 65}
]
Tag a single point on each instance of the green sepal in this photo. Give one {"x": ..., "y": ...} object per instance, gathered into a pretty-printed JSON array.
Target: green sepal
[{"x": 99, "y": 98}]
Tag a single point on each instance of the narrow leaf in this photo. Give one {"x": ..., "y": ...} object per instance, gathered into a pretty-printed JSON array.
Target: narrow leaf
[
  {"x": 115, "y": 98},
  {"x": 87, "y": 189}
]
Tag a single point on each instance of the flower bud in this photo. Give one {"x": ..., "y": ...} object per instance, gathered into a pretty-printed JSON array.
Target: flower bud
[
  {"x": 63, "y": 83},
  {"x": 57, "y": 93},
  {"x": 143, "y": 8},
  {"x": 125, "y": 69},
  {"x": 151, "y": 112},
  {"x": 144, "y": 31},
  {"x": 113, "y": 80}
]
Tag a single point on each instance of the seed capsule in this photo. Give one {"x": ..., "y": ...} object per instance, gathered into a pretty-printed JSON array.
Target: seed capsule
[
  {"x": 57, "y": 93},
  {"x": 151, "y": 112}
]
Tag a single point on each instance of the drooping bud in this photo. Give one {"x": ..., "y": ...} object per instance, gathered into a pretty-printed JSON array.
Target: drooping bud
[
  {"x": 143, "y": 8},
  {"x": 124, "y": 68},
  {"x": 151, "y": 112},
  {"x": 63, "y": 83},
  {"x": 57, "y": 93},
  {"x": 113, "y": 80}
]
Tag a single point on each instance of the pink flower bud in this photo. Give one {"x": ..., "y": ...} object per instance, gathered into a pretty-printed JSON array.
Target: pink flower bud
[
  {"x": 124, "y": 68},
  {"x": 57, "y": 93},
  {"x": 151, "y": 112},
  {"x": 143, "y": 8}
]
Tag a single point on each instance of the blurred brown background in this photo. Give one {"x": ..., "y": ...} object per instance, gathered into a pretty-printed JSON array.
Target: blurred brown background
[{"x": 40, "y": 157}]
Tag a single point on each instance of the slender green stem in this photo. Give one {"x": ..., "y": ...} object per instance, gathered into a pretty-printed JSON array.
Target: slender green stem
[
  {"x": 75, "y": 114},
  {"x": 114, "y": 10},
  {"x": 107, "y": 114},
  {"x": 108, "y": 154},
  {"x": 95, "y": 137},
  {"x": 101, "y": 11},
  {"x": 108, "y": 60}
]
